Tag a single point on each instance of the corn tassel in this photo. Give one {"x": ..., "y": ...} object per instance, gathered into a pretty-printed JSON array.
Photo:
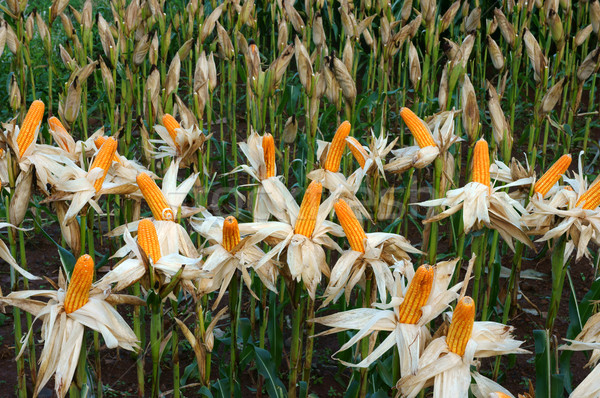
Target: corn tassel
[
  {"x": 148, "y": 240},
  {"x": 231, "y": 233},
  {"x": 30, "y": 125},
  {"x": 103, "y": 159},
  {"x": 171, "y": 124},
  {"x": 417, "y": 128},
  {"x": 550, "y": 177},
  {"x": 100, "y": 141},
  {"x": 268, "y": 145},
  {"x": 591, "y": 197},
  {"x": 336, "y": 149},
  {"x": 307, "y": 217},
  {"x": 358, "y": 151},
  {"x": 481, "y": 163},
  {"x": 78, "y": 292},
  {"x": 155, "y": 198},
  {"x": 417, "y": 295},
  {"x": 461, "y": 326},
  {"x": 354, "y": 231}
]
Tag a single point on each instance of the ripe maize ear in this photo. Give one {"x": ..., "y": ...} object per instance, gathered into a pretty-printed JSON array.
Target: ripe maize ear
[
  {"x": 101, "y": 140},
  {"x": 417, "y": 295},
  {"x": 418, "y": 128},
  {"x": 78, "y": 291},
  {"x": 481, "y": 163},
  {"x": 461, "y": 326},
  {"x": 307, "y": 217},
  {"x": 171, "y": 125},
  {"x": 550, "y": 177},
  {"x": 148, "y": 239},
  {"x": 231, "y": 233},
  {"x": 358, "y": 151},
  {"x": 155, "y": 198},
  {"x": 354, "y": 231},
  {"x": 104, "y": 159},
  {"x": 268, "y": 145},
  {"x": 30, "y": 125},
  {"x": 590, "y": 198},
  {"x": 336, "y": 149}
]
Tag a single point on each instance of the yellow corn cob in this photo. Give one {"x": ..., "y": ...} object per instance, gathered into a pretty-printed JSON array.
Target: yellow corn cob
[
  {"x": 268, "y": 144},
  {"x": 461, "y": 326},
  {"x": 30, "y": 124},
  {"x": 591, "y": 197},
  {"x": 78, "y": 292},
  {"x": 417, "y": 295},
  {"x": 417, "y": 128},
  {"x": 499, "y": 394},
  {"x": 101, "y": 140},
  {"x": 148, "y": 239},
  {"x": 103, "y": 159},
  {"x": 481, "y": 163},
  {"x": 358, "y": 151},
  {"x": 550, "y": 177},
  {"x": 171, "y": 125},
  {"x": 307, "y": 217},
  {"x": 155, "y": 198},
  {"x": 231, "y": 233},
  {"x": 354, "y": 231},
  {"x": 336, "y": 149}
]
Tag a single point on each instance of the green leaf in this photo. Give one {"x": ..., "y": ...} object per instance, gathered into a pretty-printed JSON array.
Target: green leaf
[{"x": 266, "y": 368}]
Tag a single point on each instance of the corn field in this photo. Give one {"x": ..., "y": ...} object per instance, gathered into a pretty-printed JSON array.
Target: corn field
[{"x": 247, "y": 198}]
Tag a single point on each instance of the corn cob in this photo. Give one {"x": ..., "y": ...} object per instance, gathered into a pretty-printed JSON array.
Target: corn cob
[
  {"x": 499, "y": 394},
  {"x": 171, "y": 125},
  {"x": 155, "y": 198},
  {"x": 417, "y": 295},
  {"x": 336, "y": 149},
  {"x": 418, "y": 128},
  {"x": 591, "y": 197},
  {"x": 103, "y": 159},
  {"x": 481, "y": 163},
  {"x": 78, "y": 292},
  {"x": 354, "y": 231},
  {"x": 231, "y": 233},
  {"x": 307, "y": 217},
  {"x": 550, "y": 177},
  {"x": 57, "y": 126},
  {"x": 461, "y": 326},
  {"x": 148, "y": 239},
  {"x": 30, "y": 125},
  {"x": 268, "y": 145},
  {"x": 358, "y": 151},
  {"x": 101, "y": 140}
]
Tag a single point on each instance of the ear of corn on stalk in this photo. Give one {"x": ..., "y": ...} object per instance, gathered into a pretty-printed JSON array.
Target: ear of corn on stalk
[
  {"x": 550, "y": 177},
  {"x": 336, "y": 149},
  {"x": 591, "y": 198},
  {"x": 155, "y": 198},
  {"x": 171, "y": 125},
  {"x": 358, "y": 151},
  {"x": 417, "y": 128},
  {"x": 416, "y": 295},
  {"x": 354, "y": 231},
  {"x": 307, "y": 217},
  {"x": 103, "y": 159},
  {"x": 481, "y": 163},
  {"x": 231, "y": 233},
  {"x": 148, "y": 239},
  {"x": 461, "y": 326},
  {"x": 30, "y": 124},
  {"x": 78, "y": 292},
  {"x": 268, "y": 145},
  {"x": 100, "y": 141}
]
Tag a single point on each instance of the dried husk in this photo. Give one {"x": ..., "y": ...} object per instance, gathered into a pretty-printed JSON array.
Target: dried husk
[
  {"x": 72, "y": 101},
  {"x": 318, "y": 32},
  {"x": 279, "y": 66},
  {"x": 293, "y": 16},
  {"x": 595, "y": 15},
  {"x": 414, "y": 66},
  {"x": 209, "y": 23},
  {"x": 386, "y": 205},
  {"x": 583, "y": 35},
  {"x": 20, "y": 201},
  {"x": 282, "y": 34},
  {"x": 303, "y": 64},
  {"x": 172, "y": 81},
  {"x": 348, "y": 55},
  {"x": 535, "y": 54},
  {"x": 225, "y": 44},
  {"x": 470, "y": 109},
  {"x": 57, "y": 8},
  {"x": 406, "y": 10},
  {"x": 449, "y": 16},
  {"x": 344, "y": 79},
  {"x": 499, "y": 124},
  {"x": 589, "y": 65},
  {"x": 290, "y": 130},
  {"x": 443, "y": 91},
  {"x": 70, "y": 232},
  {"x": 552, "y": 96},
  {"x": 472, "y": 23},
  {"x": 506, "y": 28},
  {"x": 495, "y": 53}
]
